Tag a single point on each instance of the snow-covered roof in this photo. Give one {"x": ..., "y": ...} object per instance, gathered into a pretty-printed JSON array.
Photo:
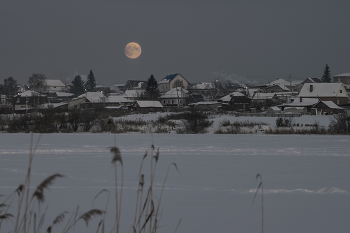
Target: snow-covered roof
[
  {"x": 29, "y": 94},
  {"x": 290, "y": 108},
  {"x": 226, "y": 98},
  {"x": 118, "y": 99},
  {"x": 342, "y": 75},
  {"x": 94, "y": 97},
  {"x": 251, "y": 91},
  {"x": 203, "y": 85},
  {"x": 51, "y": 105},
  {"x": 323, "y": 90},
  {"x": 133, "y": 93},
  {"x": 275, "y": 108},
  {"x": 169, "y": 78},
  {"x": 330, "y": 104},
  {"x": 149, "y": 104},
  {"x": 236, "y": 93},
  {"x": 54, "y": 83},
  {"x": 64, "y": 94},
  {"x": 205, "y": 103},
  {"x": 177, "y": 92},
  {"x": 303, "y": 102},
  {"x": 263, "y": 96}
]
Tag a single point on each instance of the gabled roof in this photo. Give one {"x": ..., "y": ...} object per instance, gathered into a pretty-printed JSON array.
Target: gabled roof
[
  {"x": 282, "y": 86},
  {"x": 170, "y": 78},
  {"x": 29, "y": 94},
  {"x": 329, "y": 104},
  {"x": 63, "y": 94},
  {"x": 177, "y": 92},
  {"x": 263, "y": 96},
  {"x": 118, "y": 99},
  {"x": 303, "y": 102},
  {"x": 236, "y": 93},
  {"x": 342, "y": 75},
  {"x": 51, "y": 105},
  {"x": 149, "y": 104},
  {"x": 323, "y": 90},
  {"x": 94, "y": 97},
  {"x": 54, "y": 83}
]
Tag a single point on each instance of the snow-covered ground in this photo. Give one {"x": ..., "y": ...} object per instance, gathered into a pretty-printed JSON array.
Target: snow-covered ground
[{"x": 305, "y": 178}]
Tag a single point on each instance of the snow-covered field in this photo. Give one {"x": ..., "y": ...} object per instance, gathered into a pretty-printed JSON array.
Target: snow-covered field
[{"x": 305, "y": 177}]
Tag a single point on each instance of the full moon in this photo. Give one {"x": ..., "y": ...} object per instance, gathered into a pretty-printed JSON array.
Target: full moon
[{"x": 132, "y": 50}]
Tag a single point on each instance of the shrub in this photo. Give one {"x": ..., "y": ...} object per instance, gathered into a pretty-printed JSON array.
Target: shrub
[
  {"x": 340, "y": 124},
  {"x": 284, "y": 122}
]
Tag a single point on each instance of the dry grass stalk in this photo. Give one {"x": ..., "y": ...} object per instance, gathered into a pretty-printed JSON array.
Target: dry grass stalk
[
  {"x": 117, "y": 157},
  {"x": 258, "y": 176}
]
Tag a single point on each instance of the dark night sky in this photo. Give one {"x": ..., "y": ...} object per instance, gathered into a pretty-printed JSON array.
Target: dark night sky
[{"x": 254, "y": 40}]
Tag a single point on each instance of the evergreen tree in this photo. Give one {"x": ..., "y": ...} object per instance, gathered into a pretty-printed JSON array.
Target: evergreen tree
[
  {"x": 152, "y": 91},
  {"x": 10, "y": 86},
  {"x": 77, "y": 86},
  {"x": 326, "y": 77},
  {"x": 91, "y": 82}
]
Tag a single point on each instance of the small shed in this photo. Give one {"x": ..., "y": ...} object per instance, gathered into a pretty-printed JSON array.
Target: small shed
[
  {"x": 146, "y": 106},
  {"x": 273, "y": 109}
]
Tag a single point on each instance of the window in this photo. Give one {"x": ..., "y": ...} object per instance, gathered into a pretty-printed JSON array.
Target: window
[{"x": 341, "y": 91}]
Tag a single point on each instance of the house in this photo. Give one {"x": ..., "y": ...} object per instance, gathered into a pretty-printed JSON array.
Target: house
[
  {"x": 118, "y": 102},
  {"x": 276, "y": 88},
  {"x": 54, "y": 85},
  {"x": 176, "y": 97},
  {"x": 308, "y": 103},
  {"x": 59, "y": 97},
  {"x": 335, "y": 92},
  {"x": 28, "y": 100},
  {"x": 240, "y": 102},
  {"x": 135, "y": 85},
  {"x": 56, "y": 106},
  {"x": 263, "y": 97},
  {"x": 88, "y": 100},
  {"x": 342, "y": 78},
  {"x": 146, "y": 106},
  {"x": 194, "y": 98},
  {"x": 133, "y": 94},
  {"x": 172, "y": 80},
  {"x": 206, "y": 89},
  {"x": 283, "y": 85},
  {"x": 326, "y": 108},
  {"x": 308, "y": 80}
]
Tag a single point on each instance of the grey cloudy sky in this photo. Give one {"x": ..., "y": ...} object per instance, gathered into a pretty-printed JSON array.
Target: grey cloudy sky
[{"x": 255, "y": 40}]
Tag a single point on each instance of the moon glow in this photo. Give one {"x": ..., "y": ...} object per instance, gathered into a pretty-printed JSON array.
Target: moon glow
[{"x": 133, "y": 50}]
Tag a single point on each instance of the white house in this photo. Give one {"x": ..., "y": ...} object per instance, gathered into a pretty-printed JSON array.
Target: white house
[
  {"x": 54, "y": 85},
  {"x": 167, "y": 83},
  {"x": 87, "y": 98},
  {"x": 174, "y": 98},
  {"x": 335, "y": 92}
]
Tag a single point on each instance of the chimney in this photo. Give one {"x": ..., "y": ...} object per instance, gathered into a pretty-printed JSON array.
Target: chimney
[
  {"x": 311, "y": 88},
  {"x": 301, "y": 99}
]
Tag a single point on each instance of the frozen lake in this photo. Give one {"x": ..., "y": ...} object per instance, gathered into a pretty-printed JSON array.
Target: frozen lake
[{"x": 306, "y": 179}]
